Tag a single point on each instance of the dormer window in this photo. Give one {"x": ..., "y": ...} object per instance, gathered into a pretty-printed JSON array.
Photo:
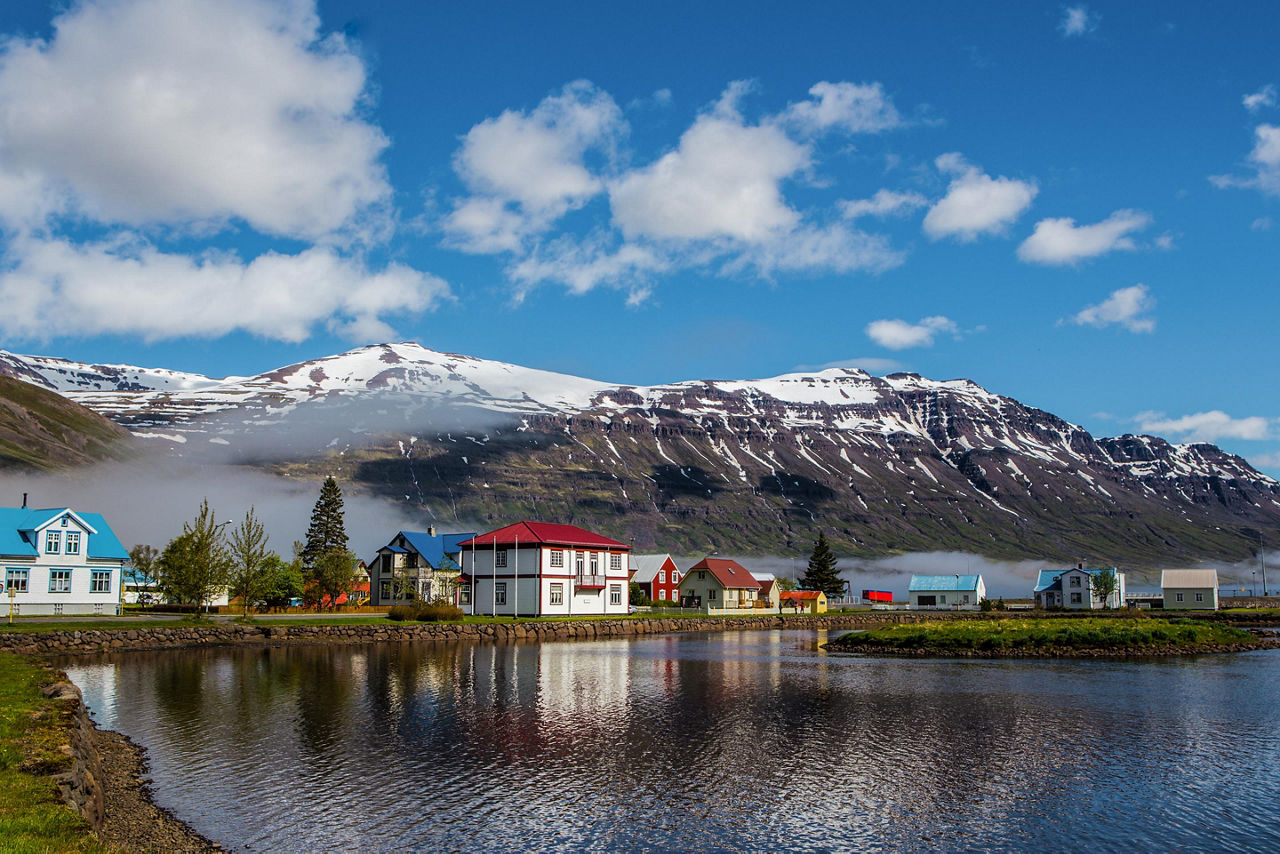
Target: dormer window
[
  {"x": 52, "y": 542},
  {"x": 73, "y": 542},
  {"x": 64, "y": 521}
]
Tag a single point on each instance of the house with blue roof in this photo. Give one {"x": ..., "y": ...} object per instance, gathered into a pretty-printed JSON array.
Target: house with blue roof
[
  {"x": 417, "y": 566},
  {"x": 60, "y": 561},
  {"x": 1073, "y": 589},
  {"x": 946, "y": 592}
]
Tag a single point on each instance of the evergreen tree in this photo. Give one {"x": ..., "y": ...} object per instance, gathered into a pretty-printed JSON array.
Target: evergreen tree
[
  {"x": 327, "y": 531},
  {"x": 821, "y": 574}
]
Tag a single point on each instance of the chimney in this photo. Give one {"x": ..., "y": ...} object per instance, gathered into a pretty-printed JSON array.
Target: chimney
[
  {"x": 1080, "y": 566},
  {"x": 431, "y": 531},
  {"x": 24, "y": 501}
]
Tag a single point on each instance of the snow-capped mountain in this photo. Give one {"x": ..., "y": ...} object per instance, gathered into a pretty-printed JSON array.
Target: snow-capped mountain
[{"x": 890, "y": 463}]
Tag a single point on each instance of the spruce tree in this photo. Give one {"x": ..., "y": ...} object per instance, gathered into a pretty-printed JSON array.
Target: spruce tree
[
  {"x": 821, "y": 574},
  {"x": 327, "y": 531}
]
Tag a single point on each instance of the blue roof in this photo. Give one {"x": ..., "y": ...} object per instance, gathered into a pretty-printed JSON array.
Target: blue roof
[
  {"x": 436, "y": 550},
  {"x": 18, "y": 525},
  {"x": 1049, "y": 578},
  {"x": 943, "y": 582}
]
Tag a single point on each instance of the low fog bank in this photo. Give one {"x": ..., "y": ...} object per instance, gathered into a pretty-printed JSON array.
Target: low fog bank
[{"x": 148, "y": 502}]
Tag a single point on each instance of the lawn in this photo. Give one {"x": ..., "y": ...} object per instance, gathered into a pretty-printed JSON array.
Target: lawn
[
  {"x": 1030, "y": 635},
  {"x": 32, "y": 816}
]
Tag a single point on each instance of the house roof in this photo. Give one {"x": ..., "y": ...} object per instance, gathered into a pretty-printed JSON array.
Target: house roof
[
  {"x": 18, "y": 526},
  {"x": 801, "y": 594},
  {"x": 1189, "y": 578},
  {"x": 766, "y": 588},
  {"x": 729, "y": 573},
  {"x": 1050, "y": 579},
  {"x": 542, "y": 533},
  {"x": 436, "y": 548},
  {"x": 943, "y": 582},
  {"x": 645, "y": 567}
]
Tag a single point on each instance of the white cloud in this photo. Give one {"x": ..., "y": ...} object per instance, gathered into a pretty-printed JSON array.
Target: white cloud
[
  {"x": 1265, "y": 461},
  {"x": 834, "y": 248},
  {"x": 976, "y": 203},
  {"x": 851, "y": 107},
  {"x": 582, "y": 266},
  {"x": 150, "y": 112},
  {"x": 53, "y": 288},
  {"x": 1265, "y": 161},
  {"x": 899, "y": 335},
  {"x": 1264, "y": 97},
  {"x": 1206, "y": 426},
  {"x": 884, "y": 203},
  {"x": 1061, "y": 241},
  {"x": 722, "y": 181},
  {"x": 1127, "y": 307},
  {"x": 1262, "y": 223},
  {"x": 1077, "y": 21}
]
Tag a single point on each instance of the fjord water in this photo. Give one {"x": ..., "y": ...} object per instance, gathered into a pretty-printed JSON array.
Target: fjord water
[{"x": 734, "y": 741}]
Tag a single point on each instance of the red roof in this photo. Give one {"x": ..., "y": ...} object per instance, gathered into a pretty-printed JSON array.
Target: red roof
[
  {"x": 801, "y": 594},
  {"x": 542, "y": 533},
  {"x": 729, "y": 573},
  {"x": 766, "y": 587}
]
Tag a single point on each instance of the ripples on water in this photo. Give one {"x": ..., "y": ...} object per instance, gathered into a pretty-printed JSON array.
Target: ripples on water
[{"x": 737, "y": 741}]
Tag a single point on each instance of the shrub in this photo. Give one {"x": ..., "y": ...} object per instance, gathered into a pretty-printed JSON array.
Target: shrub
[
  {"x": 986, "y": 604},
  {"x": 438, "y": 612},
  {"x": 402, "y": 612}
]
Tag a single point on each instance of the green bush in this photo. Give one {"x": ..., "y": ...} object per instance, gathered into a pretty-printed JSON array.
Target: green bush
[
  {"x": 402, "y": 612},
  {"x": 439, "y": 612}
]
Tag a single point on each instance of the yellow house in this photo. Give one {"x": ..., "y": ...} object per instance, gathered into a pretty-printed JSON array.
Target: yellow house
[{"x": 803, "y": 601}]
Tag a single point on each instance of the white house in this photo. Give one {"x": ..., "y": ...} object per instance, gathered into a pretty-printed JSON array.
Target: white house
[
  {"x": 539, "y": 569},
  {"x": 1191, "y": 589},
  {"x": 60, "y": 561},
  {"x": 946, "y": 592},
  {"x": 1073, "y": 588},
  {"x": 416, "y": 565}
]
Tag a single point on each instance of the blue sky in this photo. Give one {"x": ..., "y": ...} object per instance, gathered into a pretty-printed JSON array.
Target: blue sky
[{"x": 1074, "y": 205}]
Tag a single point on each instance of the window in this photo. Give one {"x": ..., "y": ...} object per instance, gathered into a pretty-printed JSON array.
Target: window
[
  {"x": 464, "y": 594},
  {"x": 51, "y": 542},
  {"x": 1075, "y": 599},
  {"x": 500, "y": 559},
  {"x": 59, "y": 581},
  {"x": 557, "y": 594},
  {"x": 73, "y": 542},
  {"x": 1179, "y": 597},
  {"x": 615, "y": 562},
  {"x": 99, "y": 580},
  {"x": 1075, "y": 581},
  {"x": 557, "y": 557},
  {"x": 16, "y": 580},
  {"x": 702, "y": 576},
  {"x": 615, "y": 594},
  {"x": 942, "y": 599},
  {"x": 595, "y": 564},
  {"x": 1199, "y": 597},
  {"x": 500, "y": 593},
  {"x": 386, "y": 589},
  {"x": 966, "y": 599},
  {"x": 579, "y": 564},
  {"x": 711, "y": 593},
  {"x": 662, "y": 576},
  {"x": 675, "y": 577}
]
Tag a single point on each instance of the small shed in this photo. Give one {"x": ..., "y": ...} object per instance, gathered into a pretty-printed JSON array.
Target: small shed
[
  {"x": 1190, "y": 589},
  {"x": 946, "y": 592},
  {"x": 804, "y": 601}
]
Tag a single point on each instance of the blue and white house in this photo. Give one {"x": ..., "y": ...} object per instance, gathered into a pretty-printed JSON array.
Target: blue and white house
[
  {"x": 1073, "y": 589},
  {"x": 417, "y": 565},
  {"x": 60, "y": 561},
  {"x": 946, "y": 592}
]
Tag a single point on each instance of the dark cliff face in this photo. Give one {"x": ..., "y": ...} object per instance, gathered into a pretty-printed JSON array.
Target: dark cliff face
[{"x": 41, "y": 430}]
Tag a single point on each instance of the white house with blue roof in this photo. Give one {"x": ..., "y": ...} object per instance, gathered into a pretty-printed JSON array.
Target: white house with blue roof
[
  {"x": 1073, "y": 589},
  {"x": 946, "y": 592},
  {"x": 417, "y": 565},
  {"x": 60, "y": 561}
]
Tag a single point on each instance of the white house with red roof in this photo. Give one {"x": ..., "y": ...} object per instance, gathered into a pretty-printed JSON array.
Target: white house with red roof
[
  {"x": 541, "y": 569},
  {"x": 715, "y": 583}
]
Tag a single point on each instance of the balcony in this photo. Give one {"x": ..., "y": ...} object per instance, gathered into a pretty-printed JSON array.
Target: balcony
[{"x": 589, "y": 582}]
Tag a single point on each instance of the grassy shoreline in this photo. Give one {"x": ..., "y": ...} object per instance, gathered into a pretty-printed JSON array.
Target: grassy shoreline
[{"x": 1039, "y": 636}]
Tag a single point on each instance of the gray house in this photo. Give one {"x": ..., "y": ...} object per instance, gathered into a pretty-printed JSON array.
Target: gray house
[{"x": 1191, "y": 589}]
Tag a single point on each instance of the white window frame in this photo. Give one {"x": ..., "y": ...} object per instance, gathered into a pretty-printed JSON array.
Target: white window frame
[
  {"x": 59, "y": 581},
  {"x": 557, "y": 558},
  {"x": 500, "y": 558},
  {"x": 1076, "y": 599},
  {"x": 556, "y": 594},
  {"x": 615, "y": 594},
  {"x": 1178, "y": 596},
  {"x": 595, "y": 564},
  {"x": 615, "y": 562},
  {"x": 100, "y": 575},
  {"x": 72, "y": 546},
  {"x": 1199, "y": 597},
  {"x": 500, "y": 593},
  {"x": 662, "y": 576},
  {"x": 1075, "y": 581},
  {"x": 52, "y": 542},
  {"x": 579, "y": 562}
]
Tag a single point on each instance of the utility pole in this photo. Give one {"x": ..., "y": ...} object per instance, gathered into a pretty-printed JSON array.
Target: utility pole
[{"x": 1262, "y": 557}]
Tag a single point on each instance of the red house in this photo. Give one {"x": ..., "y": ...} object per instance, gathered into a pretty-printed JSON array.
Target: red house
[
  {"x": 657, "y": 576},
  {"x": 535, "y": 569}
]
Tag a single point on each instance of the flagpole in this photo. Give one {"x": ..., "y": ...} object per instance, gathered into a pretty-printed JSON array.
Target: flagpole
[
  {"x": 495, "y": 576},
  {"x": 515, "y": 607}
]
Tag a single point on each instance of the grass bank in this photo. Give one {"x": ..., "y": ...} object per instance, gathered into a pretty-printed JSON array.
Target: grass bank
[
  {"x": 1098, "y": 635},
  {"x": 33, "y": 730}
]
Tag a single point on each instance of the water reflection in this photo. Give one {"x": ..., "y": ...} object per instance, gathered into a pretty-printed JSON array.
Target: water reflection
[{"x": 739, "y": 741}]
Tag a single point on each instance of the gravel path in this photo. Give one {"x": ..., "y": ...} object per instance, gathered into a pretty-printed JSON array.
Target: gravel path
[{"x": 133, "y": 822}]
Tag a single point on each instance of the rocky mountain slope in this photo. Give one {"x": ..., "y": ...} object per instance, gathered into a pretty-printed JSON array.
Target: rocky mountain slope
[
  {"x": 893, "y": 464},
  {"x": 40, "y": 429}
]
